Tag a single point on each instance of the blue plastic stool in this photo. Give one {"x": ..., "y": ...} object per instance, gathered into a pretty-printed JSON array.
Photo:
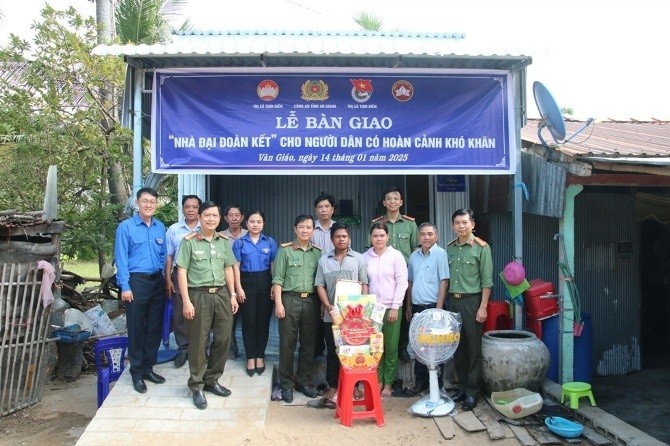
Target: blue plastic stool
[
  {"x": 114, "y": 350},
  {"x": 167, "y": 322}
]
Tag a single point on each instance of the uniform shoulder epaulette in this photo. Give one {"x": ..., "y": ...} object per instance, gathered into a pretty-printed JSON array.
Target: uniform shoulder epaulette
[
  {"x": 190, "y": 235},
  {"x": 284, "y": 245},
  {"x": 222, "y": 235},
  {"x": 480, "y": 242},
  {"x": 375, "y": 220},
  {"x": 317, "y": 247},
  {"x": 407, "y": 217},
  {"x": 453, "y": 241}
]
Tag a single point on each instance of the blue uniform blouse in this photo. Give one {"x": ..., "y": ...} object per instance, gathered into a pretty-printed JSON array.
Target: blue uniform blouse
[{"x": 255, "y": 257}]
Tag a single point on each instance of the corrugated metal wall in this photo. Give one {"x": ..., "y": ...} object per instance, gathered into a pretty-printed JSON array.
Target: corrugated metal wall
[
  {"x": 544, "y": 182},
  {"x": 540, "y": 251},
  {"x": 444, "y": 204},
  {"x": 607, "y": 276},
  {"x": 283, "y": 197}
]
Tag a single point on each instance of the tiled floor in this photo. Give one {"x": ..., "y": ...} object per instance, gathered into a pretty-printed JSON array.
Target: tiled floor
[{"x": 166, "y": 414}]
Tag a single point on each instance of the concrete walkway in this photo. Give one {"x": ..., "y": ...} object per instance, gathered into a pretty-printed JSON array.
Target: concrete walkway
[{"x": 166, "y": 414}]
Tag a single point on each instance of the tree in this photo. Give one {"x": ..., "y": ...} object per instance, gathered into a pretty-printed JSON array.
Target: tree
[
  {"x": 146, "y": 21},
  {"x": 58, "y": 110}
]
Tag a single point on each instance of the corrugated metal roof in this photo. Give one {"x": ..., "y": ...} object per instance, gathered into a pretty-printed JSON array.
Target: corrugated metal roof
[
  {"x": 317, "y": 49},
  {"x": 630, "y": 141}
]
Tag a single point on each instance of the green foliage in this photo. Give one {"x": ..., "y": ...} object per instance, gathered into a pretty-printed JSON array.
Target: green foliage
[
  {"x": 168, "y": 210},
  {"x": 146, "y": 21},
  {"x": 567, "y": 111},
  {"x": 62, "y": 110},
  {"x": 369, "y": 21}
]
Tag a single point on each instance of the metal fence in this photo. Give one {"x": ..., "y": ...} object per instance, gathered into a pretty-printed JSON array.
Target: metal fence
[{"x": 24, "y": 325}]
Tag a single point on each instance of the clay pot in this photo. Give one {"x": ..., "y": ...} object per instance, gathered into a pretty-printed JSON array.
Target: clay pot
[{"x": 513, "y": 359}]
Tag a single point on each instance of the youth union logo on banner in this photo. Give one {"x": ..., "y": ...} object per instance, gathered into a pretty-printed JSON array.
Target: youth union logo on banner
[{"x": 362, "y": 90}]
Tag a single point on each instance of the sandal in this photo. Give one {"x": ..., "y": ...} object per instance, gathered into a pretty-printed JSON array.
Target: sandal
[{"x": 321, "y": 403}]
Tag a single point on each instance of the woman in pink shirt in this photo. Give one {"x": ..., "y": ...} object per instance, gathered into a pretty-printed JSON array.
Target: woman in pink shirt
[{"x": 387, "y": 277}]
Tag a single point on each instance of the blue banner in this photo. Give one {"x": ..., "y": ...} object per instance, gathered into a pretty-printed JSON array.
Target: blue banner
[{"x": 338, "y": 122}]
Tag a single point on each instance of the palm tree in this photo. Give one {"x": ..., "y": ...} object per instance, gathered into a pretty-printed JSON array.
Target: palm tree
[
  {"x": 147, "y": 21},
  {"x": 369, "y": 21}
]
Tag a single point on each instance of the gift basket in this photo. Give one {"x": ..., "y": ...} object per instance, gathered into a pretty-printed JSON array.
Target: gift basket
[{"x": 357, "y": 322}]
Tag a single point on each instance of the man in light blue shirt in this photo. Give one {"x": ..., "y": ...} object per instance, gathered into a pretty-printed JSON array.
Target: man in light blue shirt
[
  {"x": 428, "y": 283},
  {"x": 175, "y": 233},
  {"x": 140, "y": 252}
]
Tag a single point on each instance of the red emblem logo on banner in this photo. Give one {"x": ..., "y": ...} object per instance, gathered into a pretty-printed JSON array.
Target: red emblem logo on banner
[
  {"x": 267, "y": 90},
  {"x": 402, "y": 91}
]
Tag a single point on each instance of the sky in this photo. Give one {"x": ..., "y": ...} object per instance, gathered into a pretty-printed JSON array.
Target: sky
[{"x": 603, "y": 59}]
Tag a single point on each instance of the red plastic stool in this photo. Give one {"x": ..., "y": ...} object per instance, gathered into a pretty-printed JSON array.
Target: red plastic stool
[
  {"x": 497, "y": 316},
  {"x": 371, "y": 401}
]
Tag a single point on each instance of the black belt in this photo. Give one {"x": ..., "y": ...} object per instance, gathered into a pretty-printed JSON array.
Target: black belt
[
  {"x": 207, "y": 289},
  {"x": 423, "y": 307},
  {"x": 147, "y": 276},
  {"x": 462, "y": 295},
  {"x": 300, "y": 295}
]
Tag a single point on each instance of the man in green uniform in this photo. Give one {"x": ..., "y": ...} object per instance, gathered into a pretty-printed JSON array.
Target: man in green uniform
[
  {"x": 471, "y": 269},
  {"x": 207, "y": 285},
  {"x": 297, "y": 306},
  {"x": 403, "y": 236}
]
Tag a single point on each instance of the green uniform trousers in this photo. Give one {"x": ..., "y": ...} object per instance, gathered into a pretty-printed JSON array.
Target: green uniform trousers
[
  {"x": 468, "y": 356},
  {"x": 300, "y": 322},
  {"x": 212, "y": 312},
  {"x": 388, "y": 364}
]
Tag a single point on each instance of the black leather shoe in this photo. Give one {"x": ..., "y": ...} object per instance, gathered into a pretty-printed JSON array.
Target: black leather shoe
[
  {"x": 309, "y": 392},
  {"x": 260, "y": 370},
  {"x": 469, "y": 403},
  {"x": 199, "y": 399},
  {"x": 139, "y": 386},
  {"x": 458, "y": 396},
  {"x": 251, "y": 371},
  {"x": 287, "y": 395},
  {"x": 217, "y": 389},
  {"x": 180, "y": 360},
  {"x": 154, "y": 377},
  {"x": 418, "y": 388}
]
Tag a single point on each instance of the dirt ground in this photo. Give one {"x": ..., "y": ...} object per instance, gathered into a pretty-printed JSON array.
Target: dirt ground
[
  {"x": 67, "y": 408},
  {"x": 58, "y": 420}
]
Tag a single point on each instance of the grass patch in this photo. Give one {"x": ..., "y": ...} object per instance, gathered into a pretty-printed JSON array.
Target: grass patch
[{"x": 84, "y": 269}]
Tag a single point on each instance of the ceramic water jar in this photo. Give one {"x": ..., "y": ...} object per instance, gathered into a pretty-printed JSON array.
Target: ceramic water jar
[{"x": 513, "y": 359}]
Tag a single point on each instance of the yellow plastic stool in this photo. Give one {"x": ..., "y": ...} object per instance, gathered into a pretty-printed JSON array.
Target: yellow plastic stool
[{"x": 576, "y": 390}]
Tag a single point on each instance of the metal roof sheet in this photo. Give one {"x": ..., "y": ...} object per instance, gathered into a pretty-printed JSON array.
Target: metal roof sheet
[
  {"x": 630, "y": 141},
  {"x": 317, "y": 48}
]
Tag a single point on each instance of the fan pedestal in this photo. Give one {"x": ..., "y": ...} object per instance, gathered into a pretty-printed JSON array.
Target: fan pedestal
[{"x": 433, "y": 405}]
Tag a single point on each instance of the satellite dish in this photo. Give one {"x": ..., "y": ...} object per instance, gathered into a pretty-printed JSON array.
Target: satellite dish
[{"x": 551, "y": 116}]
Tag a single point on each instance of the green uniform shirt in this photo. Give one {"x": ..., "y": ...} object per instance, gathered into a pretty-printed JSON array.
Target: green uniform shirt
[
  {"x": 295, "y": 268},
  {"x": 205, "y": 261},
  {"x": 470, "y": 266},
  {"x": 403, "y": 234}
]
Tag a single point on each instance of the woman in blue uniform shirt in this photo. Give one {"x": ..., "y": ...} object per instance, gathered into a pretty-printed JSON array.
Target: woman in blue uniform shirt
[{"x": 256, "y": 252}]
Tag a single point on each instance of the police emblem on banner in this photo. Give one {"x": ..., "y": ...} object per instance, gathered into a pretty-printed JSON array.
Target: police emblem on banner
[
  {"x": 402, "y": 90},
  {"x": 362, "y": 90},
  {"x": 314, "y": 90},
  {"x": 267, "y": 90}
]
